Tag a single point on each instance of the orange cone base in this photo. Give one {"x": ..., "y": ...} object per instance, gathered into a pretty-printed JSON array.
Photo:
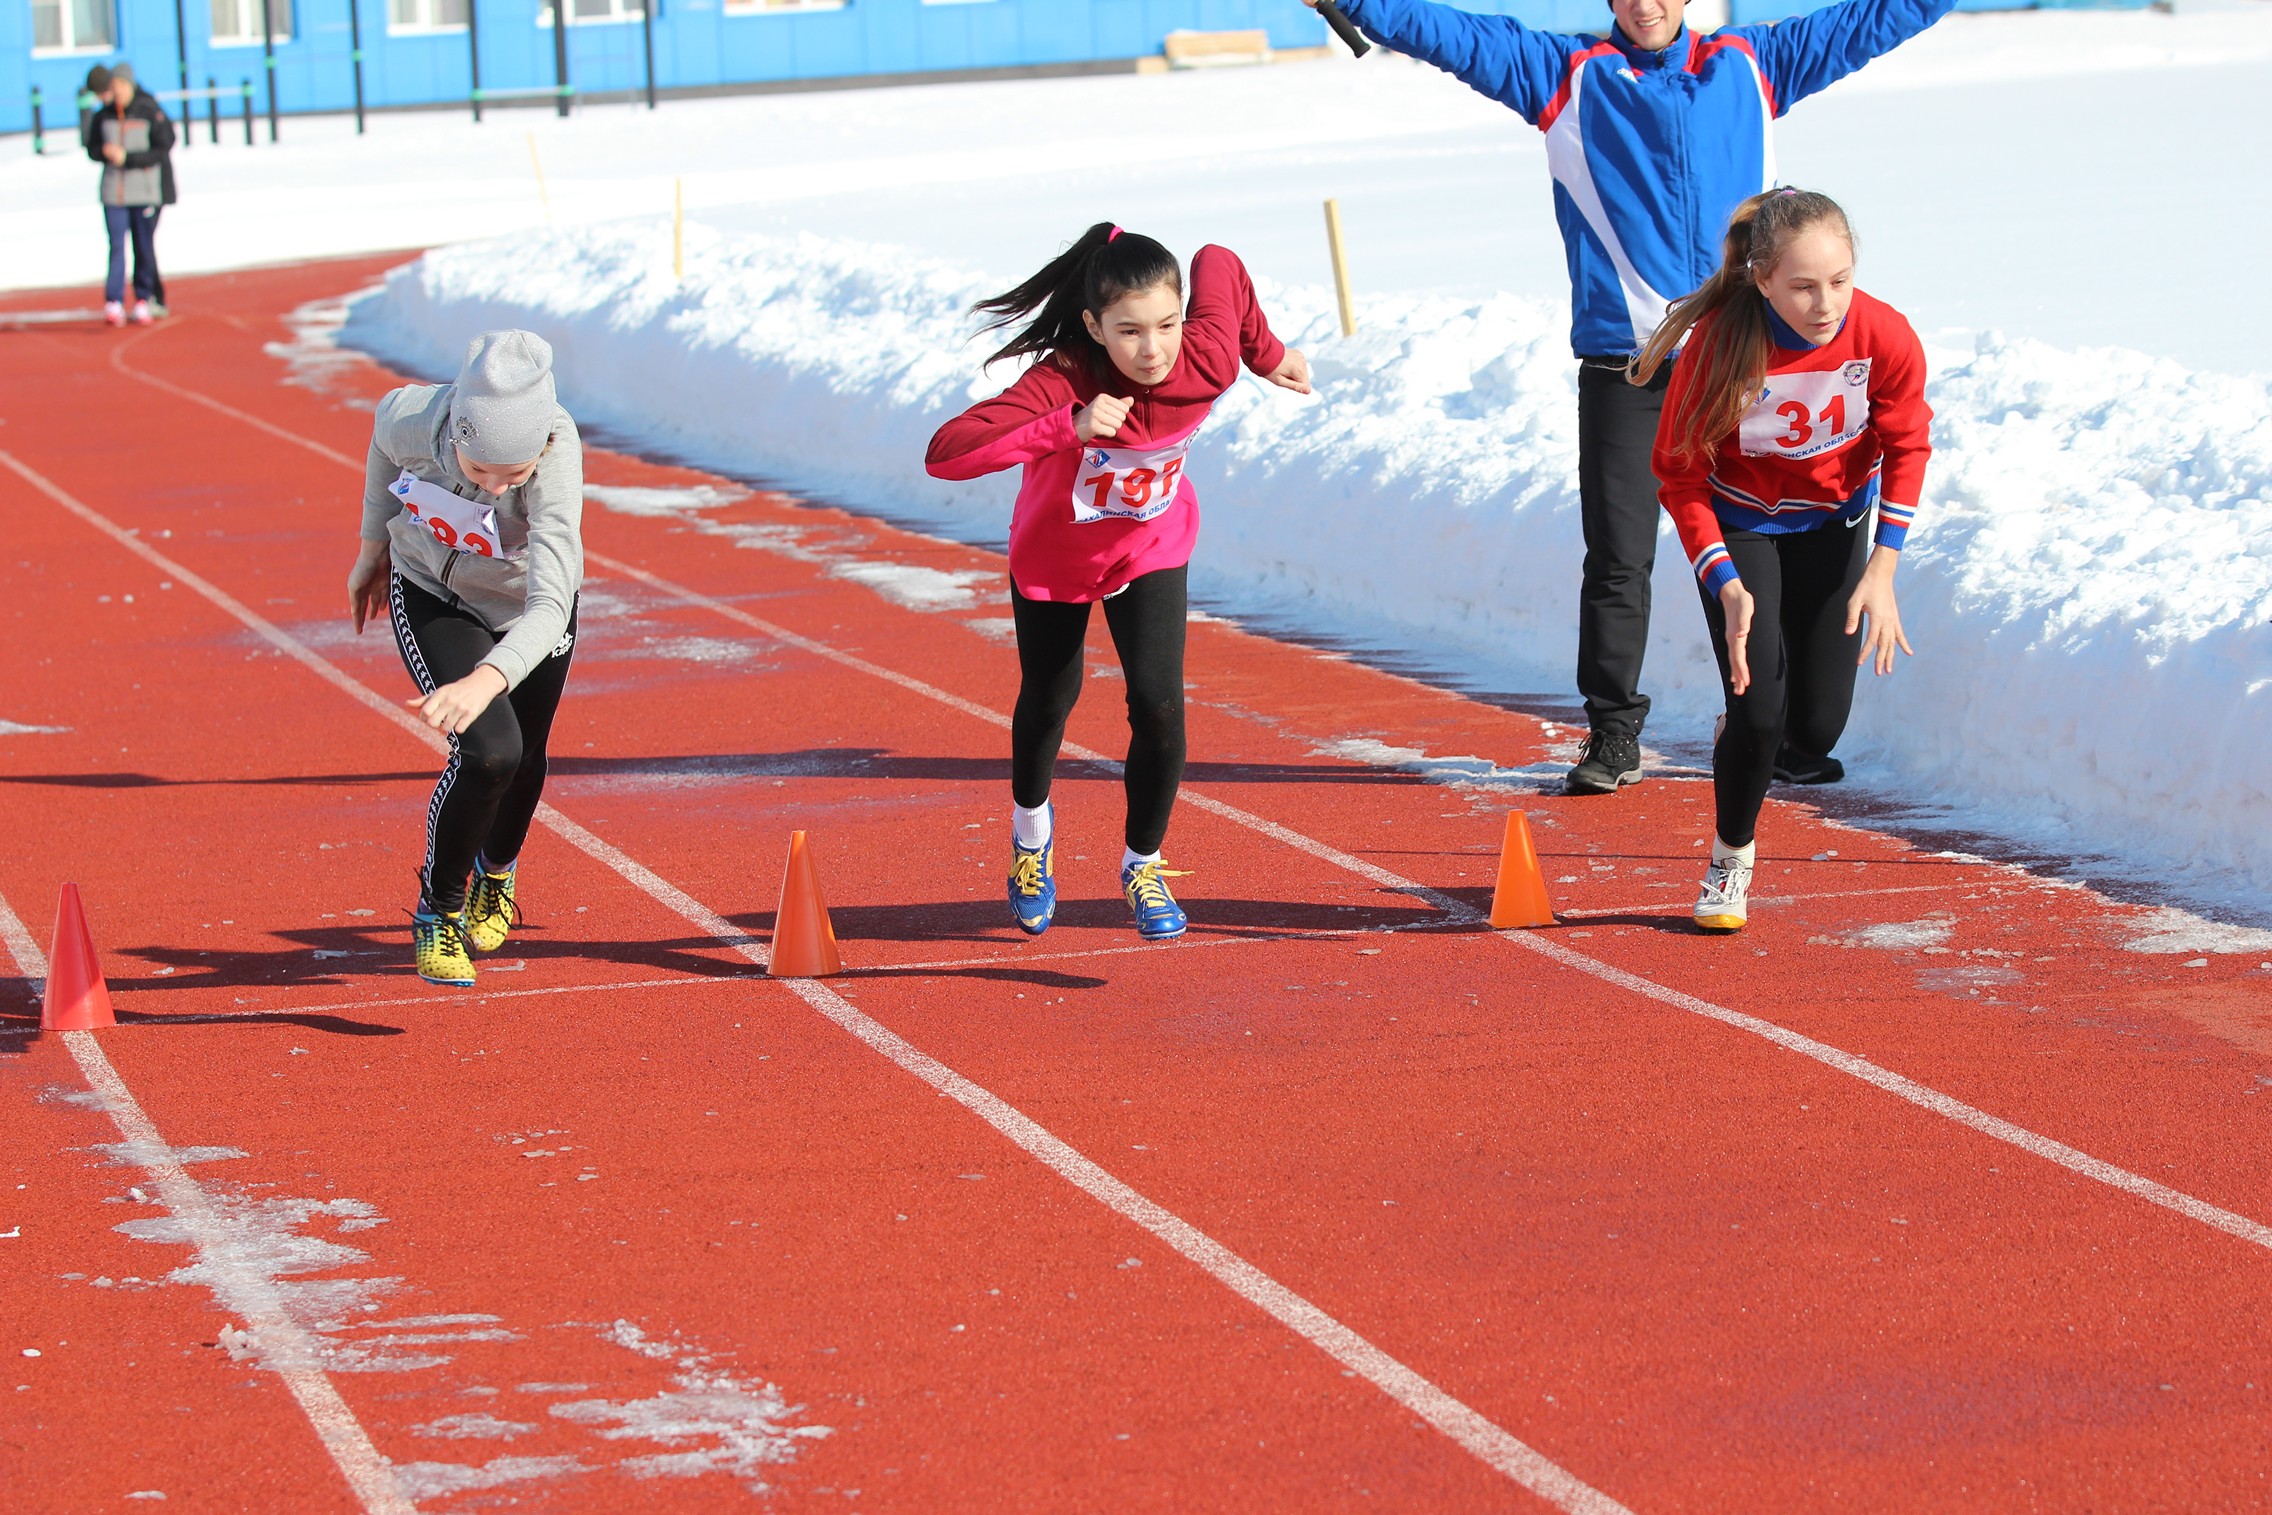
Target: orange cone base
[
  {"x": 77, "y": 998},
  {"x": 1520, "y": 900},
  {"x": 804, "y": 941}
]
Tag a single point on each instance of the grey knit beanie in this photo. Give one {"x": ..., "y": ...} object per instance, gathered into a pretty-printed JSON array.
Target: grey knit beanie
[{"x": 502, "y": 409}]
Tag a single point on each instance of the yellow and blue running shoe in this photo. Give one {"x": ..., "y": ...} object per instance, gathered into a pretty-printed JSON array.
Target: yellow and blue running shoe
[
  {"x": 490, "y": 914},
  {"x": 442, "y": 955},
  {"x": 1033, "y": 886},
  {"x": 1158, "y": 917}
]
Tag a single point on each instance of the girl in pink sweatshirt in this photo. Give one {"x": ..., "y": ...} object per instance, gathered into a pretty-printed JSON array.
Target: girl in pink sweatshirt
[{"x": 1101, "y": 424}]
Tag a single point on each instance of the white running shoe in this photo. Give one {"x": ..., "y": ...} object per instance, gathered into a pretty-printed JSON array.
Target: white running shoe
[
  {"x": 142, "y": 315},
  {"x": 1723, "y": 903},
  {"x": 114, "y": 313}
]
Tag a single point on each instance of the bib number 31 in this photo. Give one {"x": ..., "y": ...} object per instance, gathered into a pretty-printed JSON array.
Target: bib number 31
[
  {"x": 1126, "y": 484},
  {"x": 1805, "y": 415}
]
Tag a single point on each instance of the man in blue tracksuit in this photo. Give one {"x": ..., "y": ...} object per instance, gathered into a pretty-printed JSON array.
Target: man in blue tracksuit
[{"x": 1653, "y": 134}]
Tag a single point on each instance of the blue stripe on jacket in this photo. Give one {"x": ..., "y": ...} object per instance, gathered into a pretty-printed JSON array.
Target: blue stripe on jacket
[{"x": 1649, "y": 151}]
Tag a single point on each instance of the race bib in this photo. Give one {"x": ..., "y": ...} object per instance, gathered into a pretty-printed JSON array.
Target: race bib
[
  {"x": 1127, "y": 484},
  {"x": 1803, "y": 415},
  {"x": 459, "y": 524}
]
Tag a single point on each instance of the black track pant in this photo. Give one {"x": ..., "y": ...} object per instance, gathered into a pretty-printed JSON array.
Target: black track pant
[
  {"x": 1147, "y": 622},
  {"x": 1617, "y": 506},
  {"x": 1802, "y": 660},
  {"x": 495, "y": 776}
]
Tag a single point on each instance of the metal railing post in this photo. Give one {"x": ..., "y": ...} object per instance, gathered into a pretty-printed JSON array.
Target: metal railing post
[
  {"x": 560, "y": 50},
  {"x": 39, "y": 131},
  {"x": 355, "y": 45},
  {"x": 212, "y": 111},
  {"x": 647, "y": 33},
  {"x": 268, "y": 59},
  {"x": 246, "y": 86}
]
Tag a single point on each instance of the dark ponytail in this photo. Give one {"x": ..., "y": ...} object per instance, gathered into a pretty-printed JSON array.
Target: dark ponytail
[{"x": 1105, "y": 265}]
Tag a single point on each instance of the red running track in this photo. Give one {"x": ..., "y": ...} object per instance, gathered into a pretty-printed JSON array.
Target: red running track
[{"x": 1925, "y": 1193}]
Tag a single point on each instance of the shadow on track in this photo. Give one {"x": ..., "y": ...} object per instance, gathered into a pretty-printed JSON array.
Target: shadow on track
[
  {"x": 154, "y": 781},
  {"x": 877, "y": 763},
  {"x": 19, "y": 1031}
]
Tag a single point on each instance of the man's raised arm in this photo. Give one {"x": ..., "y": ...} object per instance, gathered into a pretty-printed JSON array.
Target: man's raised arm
[
  {"x": 1809, "y": 53},
  {"x": 1496, "y": 55}
]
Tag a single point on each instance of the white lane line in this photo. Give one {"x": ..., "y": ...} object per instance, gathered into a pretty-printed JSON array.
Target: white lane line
[
  {"x": 459, "y": 998},
  {"x": 1471, "y": 1430},
  {"x": 286, "y": 1349},
  {"x": 680, "y": 902},
  {"x": 1885, "y": 1079},
  {"x": 1677, "y": 907},
  {"x": 25, "y": 951},
  {"x": 1909, "y": 1089},
  {"x": 117, "y": 361},
  {"x": 1921, "y": 1095},
  {"x": 1466, "y": 1427}
]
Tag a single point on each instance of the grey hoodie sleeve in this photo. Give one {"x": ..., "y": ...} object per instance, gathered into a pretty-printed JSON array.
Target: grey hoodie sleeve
[
  {"x": 554, "y": 501},
  {"x": 380, "y": 507},
  {"x": 382, "y": 467}
]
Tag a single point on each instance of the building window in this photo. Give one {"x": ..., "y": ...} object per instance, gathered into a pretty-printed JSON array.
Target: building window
[
  {"x": 236, "y": 23},
  {"x": 595, "y": 12},
  {"x": 72, "y": 26},
  {"x": 781, "y": 7},
  {"x": 426, "y": 15}
]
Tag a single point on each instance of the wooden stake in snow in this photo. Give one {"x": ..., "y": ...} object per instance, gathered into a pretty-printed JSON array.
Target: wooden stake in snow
[
  {"x": 537, "y": 163},
  {"x": 1340, "y": 268}
]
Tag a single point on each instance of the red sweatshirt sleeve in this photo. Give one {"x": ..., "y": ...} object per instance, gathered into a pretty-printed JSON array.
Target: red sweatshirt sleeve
[
  {"x": 1031, "y": 419},
  {"x": 1903, "y": 423},
  {"x": 1683, "y": 486},
  {"x": 1225, "y": 325}
]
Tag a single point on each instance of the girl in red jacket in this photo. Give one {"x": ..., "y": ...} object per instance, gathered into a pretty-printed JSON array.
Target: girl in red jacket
[
  {"x": 1796, "y": 407},
  {"x": 1101, "y": 423}
]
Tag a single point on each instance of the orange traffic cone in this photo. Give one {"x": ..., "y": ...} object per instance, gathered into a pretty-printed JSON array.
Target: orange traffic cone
[
  {"x": 77, "y": 998},
  {"x": 804, "y": 943},
  {"x": 1520, "y": 899}
]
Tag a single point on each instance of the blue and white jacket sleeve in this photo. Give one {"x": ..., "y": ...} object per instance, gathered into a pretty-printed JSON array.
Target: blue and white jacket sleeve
[
  {"x": 1516, "y": 65},
  {"x": 1804, "y": 55}
]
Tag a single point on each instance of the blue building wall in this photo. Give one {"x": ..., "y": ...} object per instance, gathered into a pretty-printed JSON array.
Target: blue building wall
[{"x": 697, "y": 43}]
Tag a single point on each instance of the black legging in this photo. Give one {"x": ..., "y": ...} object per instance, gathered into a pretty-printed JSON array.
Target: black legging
[
  {"x": 489, "y": 789},
  {"x": 1802, "y": 660},
  {"x": 1147, "y": 623}
]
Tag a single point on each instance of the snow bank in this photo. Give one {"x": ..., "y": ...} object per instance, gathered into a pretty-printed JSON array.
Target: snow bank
[{"x": 2088, "y": 586}]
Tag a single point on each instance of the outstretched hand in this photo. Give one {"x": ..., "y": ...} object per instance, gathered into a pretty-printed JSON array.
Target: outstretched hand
[
  {"x": 1292, "y": 372},
  {"x": 1873, "y": 601},
  {"x": 367, "y": 584}
]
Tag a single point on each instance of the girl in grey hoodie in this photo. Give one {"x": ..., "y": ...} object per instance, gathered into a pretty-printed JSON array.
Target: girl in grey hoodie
[{"x": 473, "y": 501}]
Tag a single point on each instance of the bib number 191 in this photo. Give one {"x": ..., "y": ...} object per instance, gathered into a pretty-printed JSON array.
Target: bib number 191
[{"x": 1132, "y": 492}]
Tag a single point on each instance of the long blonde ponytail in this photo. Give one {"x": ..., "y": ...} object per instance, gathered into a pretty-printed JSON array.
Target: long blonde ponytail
[{"x": 1733, "y": 346}]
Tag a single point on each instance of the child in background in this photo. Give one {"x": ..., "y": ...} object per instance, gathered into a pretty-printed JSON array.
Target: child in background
[{"x": 130, "y": 135}]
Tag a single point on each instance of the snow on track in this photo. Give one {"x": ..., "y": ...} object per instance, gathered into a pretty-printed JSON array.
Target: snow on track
[{"x": 2089, "y": 582}]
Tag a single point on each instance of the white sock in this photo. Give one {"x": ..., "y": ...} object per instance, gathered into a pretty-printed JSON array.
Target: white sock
[
  {"x": 1032, "y": 827},
  {"x": 1130, "y": 857},
  {"x": 1743, "y": 856}
]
